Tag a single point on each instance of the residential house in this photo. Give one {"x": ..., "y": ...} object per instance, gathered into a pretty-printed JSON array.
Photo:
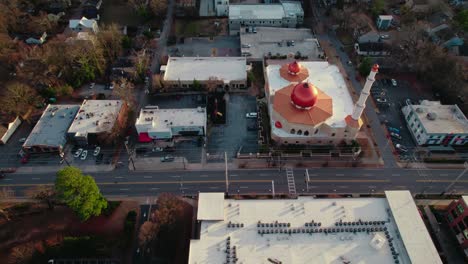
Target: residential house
[
  {"x": 37, "y": 41},
  {"x": 371, "y": 44},
  {"x": 8, "y": 126},
  {"x": 444, "y": 36},
  {"x": 384, "y": 21},
  {"x": 91, "y": 9},
  {"x": 83, "y": 25}
]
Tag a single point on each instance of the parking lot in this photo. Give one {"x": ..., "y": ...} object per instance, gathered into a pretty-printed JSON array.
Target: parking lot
[
  {"x": 392, "y": 98},
  {"x": 9, "y": 152},
  {"x": 234, "y": 136},
  {"x": 204, "y": 47}
]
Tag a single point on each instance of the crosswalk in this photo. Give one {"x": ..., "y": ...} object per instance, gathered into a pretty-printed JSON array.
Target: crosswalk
[{"x": 291, "y": 182}]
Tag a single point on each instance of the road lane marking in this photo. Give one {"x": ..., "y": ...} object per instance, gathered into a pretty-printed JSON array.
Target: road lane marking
[
  {"x": 368, "y": 174},
  {"x": 244, "y": 187},
  {"x": 435, "y": 181},
  {"x": 175, "y": 176},
  {"x": 339, "y": 174},
  {"x": 119, "y": 177},
  {"x": 204, "y": 176},
  {"x": 153, "y": 189},
  {"x": 372, "y": 186},
  {"x": 264, "y": 175},
  {"x": 350, "y": 180},
  {"x": 213, "y": 187},
  {"x": 395, "y": 174},
  {"x": 8, "y": 179},
  {"x": 36, "y": 178},
  {"x": 343, "y": 187},
  {"x": 444, "y": 175},
  {"x": 233, "y": 175},
  {"x": 312, "y": 174},
  {"x": 148, "y": 177},
  {"x": 124, "y": 189}
]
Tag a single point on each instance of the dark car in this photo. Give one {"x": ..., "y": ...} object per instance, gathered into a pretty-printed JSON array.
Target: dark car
[
  {"x": 99, "y": 158},
  {"x": 169, "y": 149}
]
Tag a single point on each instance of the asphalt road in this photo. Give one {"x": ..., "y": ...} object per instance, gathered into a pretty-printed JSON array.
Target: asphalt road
[{"x": 322, "y": 181}]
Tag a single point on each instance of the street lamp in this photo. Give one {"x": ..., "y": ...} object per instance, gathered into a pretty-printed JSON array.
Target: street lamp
[{"x": 456, "y": 179}]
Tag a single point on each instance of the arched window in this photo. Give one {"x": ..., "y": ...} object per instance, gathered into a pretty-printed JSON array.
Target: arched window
[
  {"x": 316, "y": 131},
  {"x": 306, "y": 133},
  {"x": 333, "y": 134},
  {"x": 299, "y": 132},
  {"x": 293, "y": 131}
]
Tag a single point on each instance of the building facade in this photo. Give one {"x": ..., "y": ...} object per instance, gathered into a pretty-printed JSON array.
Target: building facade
[
  {"x": 457, "y": 217},
  {"x": 432, "y": 123},
  {"x": 208, "y": 73},
  {"x": 155, "y": 124},
  {"x": 285, "y": 14}
]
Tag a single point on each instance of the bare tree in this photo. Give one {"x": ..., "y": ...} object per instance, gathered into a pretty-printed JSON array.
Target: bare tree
[
  {"x": 45, "y": 194},
  {"x": 141, "y": 61},
  {"x": 158, "y": 7},
  {"x": 110, "y": 39},
  {"x": 21, "y": 254},
  {"x": 157, "y": 82},
  {"x": 125, "y": 91},
  {"x": 148, "y": 232},
  {"x": 18, "y": 98}
]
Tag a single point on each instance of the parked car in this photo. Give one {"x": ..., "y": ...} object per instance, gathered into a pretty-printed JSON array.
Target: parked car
[
  {"x": 395, "y": 135},
  {"x": 99, "y": 158},
  {"x": 381, "y": 100},
  {"x": 84, "y": 154},
  {"x": 408, "y": 102},
  {"x": 167, "y": 158},
  {"x": 350, "y": 62},
  {"x": 91, "y": 85},
  {"x": 251, "y": 115},
  {"x": 394, "y": 82},
  {"x": 25, "y": 159},
  {"x": 384, "y": 36},
  {"x": 401, "y": 148},
  {"x": 22, "y": 140},
  {"x": 78, "y": 153},
  {"x": 111, "y": 86},
  {"x": 393, "y": 129},
  {"x": 97, "y": 150},
  {"x": 169, "y": 149},
  {"x": 157, "y": 149}
]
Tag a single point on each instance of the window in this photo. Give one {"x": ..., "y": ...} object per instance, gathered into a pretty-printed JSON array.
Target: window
[
  {"x": 285, "y": 142},
  {"x": 454, "y": 213},
  {"x": 465, "y": 220},
  {"x": 460, "y": 208},
  {"x": 450, "y": 217},
  {"x": 293, "y": 131},
  {"x": 461, "y": 226},
  {"x": 299, "y": 132},
  {"x": 306, "y": 133},
  {"x": 297, "y": 142},
  {"x": 316, "y": 131},
  {"x": 333, "y": 134}
]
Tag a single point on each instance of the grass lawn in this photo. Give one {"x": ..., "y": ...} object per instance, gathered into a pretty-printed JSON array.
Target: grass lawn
[{"x": 200, "y": 28}]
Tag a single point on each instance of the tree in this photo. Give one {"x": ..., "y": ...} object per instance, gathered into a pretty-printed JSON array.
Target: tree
[
  {"x": 141, "y": 62},
  {"x": 21, "y": 254},
  {"x": 462, "y": 19},
  {"x": 46, "y": 195},
  {"x": 79, "y": 192},
  {"x": 365, "y": 67},
  {"x": 148, "y": 232},
  {"x": 212, "y": 83},
  {"x": 124, "y": 89},
  {"x": 169, "y": 209},
  {"x": 157, "y": 82},
  {"x": 110, "y": 39},
  {"x": 196, "y": 85},
  {"x": 158, "y": 7},
  {"x": 377, "y": 7},
  {"x": 18, "y": 98}
]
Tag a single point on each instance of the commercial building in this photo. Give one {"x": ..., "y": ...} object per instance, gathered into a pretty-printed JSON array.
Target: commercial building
[
  {"x": 384, "y": 21},
  {"x": 457, "y": 217},
  {"x": 164, "y": 124},
  {"x": 309, "y": 103},
  {"x": 285, "y": 14},
  {"x": 207, "y": 72},
  {"x": 269, "y": 42},
  {"x": 49, "y": 134},
  {"x": 95, "y": 120},
  {"x": 310, "y": 230},
  {"x": 8, "y": 126},
  {"x": 432, "y": 123}
]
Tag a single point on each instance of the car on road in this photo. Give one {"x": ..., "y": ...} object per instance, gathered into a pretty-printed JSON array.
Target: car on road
[
  {"x": 22, "y": 140},
  {"x": 167, "y": 158},
  {"x": 97, "y": 150},
  {"x": 25, "y": 159},
  {"x": 2, "y": 175},
  {"x": 251, "y": 115},
  {"x": 395, "y": 135},
  {"x": 393, "y": 129},
  {"x": 381, "y": 100},
  {"x": 401, "y": 148},
  {"x": 78, "y": 153},
  {"x": 394, "y": 82},
  {"x": 84, "y": 154}
]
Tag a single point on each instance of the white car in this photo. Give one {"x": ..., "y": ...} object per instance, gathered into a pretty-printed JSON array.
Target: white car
[
  {"x": 84, "y": 154},
  {"x": 22, "y": 140},
  {"x": 401, "y": 148},
  {"x": 395, "y": 135},
  {"x": 158, "y": 149},
  {"x": 251, "y": 115},
  {"x": 384, "y": 36},
  {"x": 96, "y": 152},
  {"x": 394, "y": 83},
  {"x": 381, "y": 100},
  {"x": 91, "y": 85},
  {"x": 78, "y": 153}
]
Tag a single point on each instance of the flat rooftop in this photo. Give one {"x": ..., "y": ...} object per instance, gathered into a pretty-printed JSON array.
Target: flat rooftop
[
  {"x": 96, "y": 116},
  {"x": 51, "y": 129},
  {"x": 256, "y": 231},
  {"x": 274, "y": 40},
  {"x": 203, "y": 68},
  {"x": 153, "y": 119},
  {"x": 326, "y": 77},
  {"x": 439, "y": 118},
  {"x": 256, "y": 11}
]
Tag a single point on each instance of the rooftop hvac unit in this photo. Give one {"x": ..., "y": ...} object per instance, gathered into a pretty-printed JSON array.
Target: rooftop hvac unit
[
  {"x": 431, "y": 116},
  {"x": 419, "y": 110}
]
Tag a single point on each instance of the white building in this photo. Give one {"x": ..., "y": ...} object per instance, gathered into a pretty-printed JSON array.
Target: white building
[
  {"x": 308, "y": 230},
  {"x": 432, "y": 123},
  {"x": 224, "y": 72},
  {"x": 8, "y": 126},
  {"x": 309, "y": 103},
  {"x": 164, "y": 124},
  {"x": 221, "y": 7},
  {"x": 96, "y": 118},
  {"x": 49, "y": 134},
  {"x": 83, "y": 25},
  {"x": 285, "y": 14}
]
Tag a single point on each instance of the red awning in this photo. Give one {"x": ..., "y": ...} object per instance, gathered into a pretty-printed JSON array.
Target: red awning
[{"x": 144, "y": 138}]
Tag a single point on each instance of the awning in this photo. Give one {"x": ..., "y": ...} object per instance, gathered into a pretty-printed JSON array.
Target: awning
[{"x": 144, "y": 138}]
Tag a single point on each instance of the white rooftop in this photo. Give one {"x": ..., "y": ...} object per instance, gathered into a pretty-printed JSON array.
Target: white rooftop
[
  {"x": 211, "y": 206},
  {"x": 324, "y": 76},
  {"x": 298, "y": 247},
  {"x": 256, "y": 11},
  {"x": 153, "y": 119},
  {"x": 447, "y": 118},
  {"x": 465, "y": 199},
  {"x": 51, "y": 129},
  {"x": 96, "y": 116},
  {"x": 87, "y": 23},
  {"x": 267, "y": 38},
  {"x": 204, "y": 68},
  {"x": 413, "y": 232}
]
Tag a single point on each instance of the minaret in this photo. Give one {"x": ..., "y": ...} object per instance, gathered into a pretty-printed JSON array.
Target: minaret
[{"x": 361, "y": 103}]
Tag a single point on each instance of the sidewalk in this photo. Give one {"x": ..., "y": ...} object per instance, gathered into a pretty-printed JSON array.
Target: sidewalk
[{"x": 54, "y": 169}]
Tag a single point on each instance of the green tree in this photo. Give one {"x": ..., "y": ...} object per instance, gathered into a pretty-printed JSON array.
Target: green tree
[
  {"x": 365, "y": 67},
  {"x": 79, "y": 192},
  {"x": 377, "y": 7},
  {"x": 196, "y": 85},
  {"x": 462, "y": 19}
]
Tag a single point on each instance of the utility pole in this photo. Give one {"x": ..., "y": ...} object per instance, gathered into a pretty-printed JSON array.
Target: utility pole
[
  {"x": 273, "y": 188},
  {"x": 456, "y": 179},
  {"x": 307, "y": 179},
  {"x": 226, "y": 170}
]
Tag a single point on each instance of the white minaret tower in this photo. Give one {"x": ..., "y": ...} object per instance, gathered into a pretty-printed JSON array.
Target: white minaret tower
[{"x": 361, "y": 103}]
